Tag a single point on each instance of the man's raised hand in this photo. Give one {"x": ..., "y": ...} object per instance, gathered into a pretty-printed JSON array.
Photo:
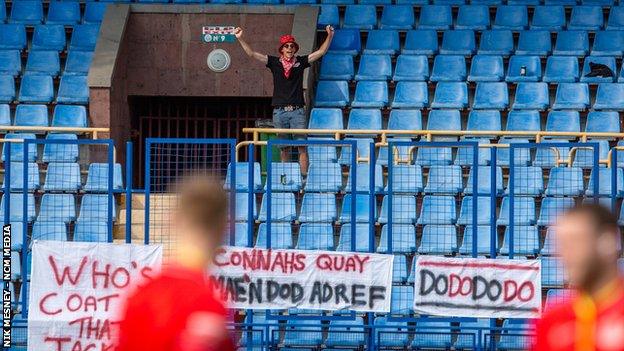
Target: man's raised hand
[
  {"x": 330, "y": 30},
  {"x": 238, "y": 32}
]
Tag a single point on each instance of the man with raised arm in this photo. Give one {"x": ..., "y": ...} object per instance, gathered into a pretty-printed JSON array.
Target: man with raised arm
[{"x": 287, "y": 68}]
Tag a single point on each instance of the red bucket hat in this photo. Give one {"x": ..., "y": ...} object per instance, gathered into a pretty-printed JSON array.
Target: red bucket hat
[{"x": 287, "y": 38}]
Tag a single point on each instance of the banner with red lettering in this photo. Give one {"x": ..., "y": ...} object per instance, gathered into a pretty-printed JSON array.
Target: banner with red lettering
[
  {"x": 471, "y": 287},
  {"x": 76, "y": 290},
  {"x": 253, "y": 278}
]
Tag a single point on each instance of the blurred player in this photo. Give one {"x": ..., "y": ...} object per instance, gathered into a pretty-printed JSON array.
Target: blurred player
[
  {"x": 588, "y": 240},
  {"x": 176, "y": 311}
]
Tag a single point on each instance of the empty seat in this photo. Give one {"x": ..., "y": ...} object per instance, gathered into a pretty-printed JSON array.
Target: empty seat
[
  {"x": 73, "y": 90},
  {"x": 437, "y": 209},
  {"x": 63, "y": 12},
  {"x": 7, "y": 89},
  {"x": 241, "y": 204},
  {"x": 616, "y": 18},
  {"x": 552, "y": 272},
  {"x": 523, "y": 120},
  {"x": 486, "y": 68},
  {"x": 482, "y": 120},
  {"x": 36, "y": 89},
  {"x": 438, "y": 17},
  {"x": 364, "y": 119},
  {"x": 411, "y": 95},
  {"x": 382, "y": 42},
  {"x": 331, "y": 93},
  {"x": 403, "y": 209},
  {"x": 360, "y": 17},
  {"x": 391, "y": 333},
  {"x": 362, "y": 209},
  {"x": 565, "y": 181},
  {"x": 78, "y": 63},
  {"x": 5, "y": 115},
  {"x": 584, "y": 155},
  {"x": 241, "y": 177},
  {"x": 317, "y": 207},
  {"x": 610, "y": 96},
  {"x": 303, "y": 332},
  {"x": 17, "y": 149},
  {"x": 94, "y": 207},
  {"x": 374, "y": 67},
  {"x": 335, "y": 67},
  {"x": 444, "y": 180},
  {"x": 69, "y": 116},
  {"x": 89, "y": 231},
  {"x": 94, "y": 12},
  {"x": 97, "y": 178},
  {"x": 347, "y": 333},
  {"x": 31, "y": 115},
  {"x": 16, "y": 207},
  {"x": 362, "y": 152},
  {"x": 49, "y": 37},
  {"x": 563, "y": 121},
  {"x": 84, "y": 37},
  {"x": 428, "y": 156},
  {"x": 346, "y": 41},
  {"x": 552, "y": 207},
  {"x": 524, "y": 69},
  {"x": 49, "y": 230},
  {"x": 527, "y": 181},
  {"x": 531, "y": 96},
  {"x": 62, "y": 177},
  {"x": 371, "y": 94},
  {"x": 280, "y": 238},
  {"x": 491, "y": 95},
  {"x": 484, "y": 181},
  {"x": 561, "y": 69},
  {"x": 2, "y": 20},
  {"x": 361, "y": 240},
  {"x": 57, "y": 207},
  {"x": 43, "y": 62},
  {"x": 483, "y": 211},
  {"x": 403, "y": 239},
  {"x": 448, "y": 68},
  {"x": 10, "y": 62},
  {"x": 399, "y": 269},
  {"x": 523, "y": 211},
  {"x": 432, "y": 334},
  {"x": 285, "y": 176},
  {"x": 282, "y": 208},
  {"x": 324, "y": 177},
  {"x": 511, "y": 17},
  {"x": 12, "y": 36},
  {"x": 422, "y": 42},
  {"x": 438, "y": 240},
  {"x": 534, "y": 42},
  {"x": 608, "y": 43},
  {"x": 572, "y": 43},
  {"x": 517, "y": 336},
  {"x": 483, "y": 244},
  {"x": 605, "y": 182},
  {"x": 551, "y": 156},
  {"x": 602, "y": 122},
  {"x": 525, "y": 241},
  {"x": 27, "y": 12},
  {"x": 458, "y": 42},
  {"x": 450, "y": 95},
  {"x": 316, "y": 236},
  {"x": 550, "y": 246},
  {"x": 469, "y": 332},
  {"x": 399, "y": 17},
  {"x": 411, "y": 68},
  {"x": 16, "y": 181},
  {"x": 586, "y": 18},
  {"x": 496, "y": 42},
  {"x": 473, "y": 17},
  {"x": 573, "y": 96},
  {"x": 328, "y": 15},
  {"x": 591, "y": 78},
  {"x": 550, "y": 18},
  {"x": 444, "y": 120}
]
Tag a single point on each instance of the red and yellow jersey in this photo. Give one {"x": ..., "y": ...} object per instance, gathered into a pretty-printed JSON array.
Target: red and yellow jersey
[{"x": 584, "y": 324}]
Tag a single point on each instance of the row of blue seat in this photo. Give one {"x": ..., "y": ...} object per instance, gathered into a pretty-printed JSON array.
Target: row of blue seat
[
  {"x": 61, "y": 12},
  {"x": 59, "y": 208},
  {"x": 49, "y": 37},
  {"x": 456, "y": 3},
  {"x": 37, "y": 115},
  {"x": 454, "y": 95},
  {"x": 452, "y": 68},
  {"x": 492, "y": 42},
  {"x": 87, "y": 228},
  {"x": 45, "y": 62},
  {"x": 37, "y": 88}
]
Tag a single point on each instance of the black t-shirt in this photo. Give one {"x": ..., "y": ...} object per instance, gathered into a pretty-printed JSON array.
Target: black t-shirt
[{"x": 287, "y": 91}]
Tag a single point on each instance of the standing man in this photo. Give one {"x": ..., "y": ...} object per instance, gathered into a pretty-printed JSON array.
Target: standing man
[
  {"x": 589, "y": 242},
  {"x": 288, "y": 102}
]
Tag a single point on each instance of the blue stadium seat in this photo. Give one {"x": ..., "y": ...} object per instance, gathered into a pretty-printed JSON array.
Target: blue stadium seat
[
  {"x": 62, "y": 177},
  {"x": 31, "y": 115},
  {"x": 605, "y": 182},
  {"x": 524, "y": 211},
  {"x": 512, "y": 17},
  {"x": 97, "y": 178},
  {"x": 531, "y": 96},
  {"x": 608, "y": 43},
  {"x": 616, "y": 18},
  {"x": 550, "y": 245},
  {"x": 527, "y": 181},
  {"x": 602, "y": 122},
  {"x": 450, "y": 95},
  {"x": 483, "y": 240},
  {"x": 584, "y": 156},
  {"x": 534, "y": 42},
  {"x": 346, "y": 41},
  {"x": 57, "y": 207},
  {"x": 448, "y": 68},
  {"x": 401, "y": 152},
  {"x": 282, "y": 208},
  {"x": 532, "y": 68},
  {"x": 554, "y": 297},
  {"x": 316, "y": 236},
  {"x": 328, "y": 15},
  {"x": 303, "y": 332},
  {"x": 525, "y": 239},
  {"x": 285, "y": 176},
  {"x": 49, "y": 37},
  {"x": 586, "y": 18},
  {"x": 362, "y": 243},
  {"x": 324, "y": 177},
  {"x": 241, "y": 178},
  {"x": 411, "y": 68},
  {"x": 362, "y": 206},
  {"x": 483, "y": 211},
  {"x": 49, "y": 230},
  {"x": 73, "y": 90},
  {"x": 444, "y": 180},
  {"x": 44, "y": 63},
  {"x": 428, "y": 156},
  {"x": 28, "y": 12},
  {"x": 84, "y": 37},
  {"x": 437, "y": 209},
  {"x": 17, "y": 235},
  {"x": 78, "y": 63},
  {"x": 405, "y": 179},
  {"x": 403, "y": 239},
  {"x": 69, "y": 116},
  {"x": 403, "y": 209},
  {"x": 496, "y": 42},
  {"x": 410, "y": 95},
  {"x": 12, "y": 36},
  {"x": 444, "y": 120},
  {"x": 382, "y": 42},
  {"x": 458, "y": 42},
  {"x": 63, "y": 12},
  {"x": 399, "y": 269},
  {"x": 468, "y": 337},
  {"x": 523, "y": 120},
  {"x": 548, "y": 157},
  {"x": 607, "y": 61},
  {"x": 362, "y": 152},
  {"x": 391, "y": 333},
  {"x": 326, "y": 118},
  {"x": 346, "y": 333},
  {"x": 5, "y": 115},
  {"x": 94, "y": 208},
  {"x": 281, "y": 236},
  {"x": 572, "y": 43},
  {"x": 16, "y": 181},
  {"x": 338, "y": 2},
  {"x": 552, "y": 272},
  {"x": 242, "y": 208},
  {"x": 561, "y": 2},
  {"x": 16, "y": 207},
  {"x": 561, "y": 69},
  {"x": 7, "y": 89},
  {"x": 88, "y": 231},
  {"x": 432, "y": 334},
  {"x": 400, "y": 17},
  {"x": 94, "y": 12},
  {"x": 438, "y": 240},
  {"x": 422, "y": 42},
  {"x": 2, "y": 12},
  {"x": 517, "y": 337},
  {"x": 438, "y": 17},
  {"x": 574, "y": 96},
  {"x": 473, "y": 17},
  {"x": 337, "y": 67},
  {"x": 17, "y": 149},
  {"x": 332, "y": 93},
  {"x": 36, "y": 89},
  {"x": 552, "y": 207},
  {"x": 401, "y": 301},
  {"x": 317, "y": 207},
  {"x": 482, "y": 120},
  {"x": 610, "y": 96},
  {"x": 360, "y": 17},
  {"x": 484, "y": 181},
  {"x": 486, "y": 68},
  {"x": 491, "y": 96},
  {"x": 370, "y": 94},
  {"x": 374, "y": 67},
  {"x": 11, "y": 62},
  {"x": 563, "y": 121},
  {"x": 364, "y": 119},
  {"x": 549, "y": 18}
]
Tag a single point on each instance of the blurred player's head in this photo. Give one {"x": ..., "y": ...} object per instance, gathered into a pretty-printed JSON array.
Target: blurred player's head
[{"x": 588, "y": 240}]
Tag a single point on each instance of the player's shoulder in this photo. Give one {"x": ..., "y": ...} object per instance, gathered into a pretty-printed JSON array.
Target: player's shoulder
[{"x": 560, "y": 312}]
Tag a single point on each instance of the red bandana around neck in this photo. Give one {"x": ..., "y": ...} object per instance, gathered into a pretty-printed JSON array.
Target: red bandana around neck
[{"x": 287, "y": 64}]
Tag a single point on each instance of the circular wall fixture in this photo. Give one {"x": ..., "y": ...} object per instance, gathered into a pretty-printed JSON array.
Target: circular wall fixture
[{"x": 218, "y": 60}]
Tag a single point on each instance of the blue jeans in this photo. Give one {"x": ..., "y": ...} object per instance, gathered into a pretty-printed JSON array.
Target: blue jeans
[{"x": 295, "y": 119}]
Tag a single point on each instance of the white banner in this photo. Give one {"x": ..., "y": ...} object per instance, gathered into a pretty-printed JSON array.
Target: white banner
[
  {"x": 252, "y": 278},
  {"x": 76, "y": 290},
  {"x": 470, "y": 287}
]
